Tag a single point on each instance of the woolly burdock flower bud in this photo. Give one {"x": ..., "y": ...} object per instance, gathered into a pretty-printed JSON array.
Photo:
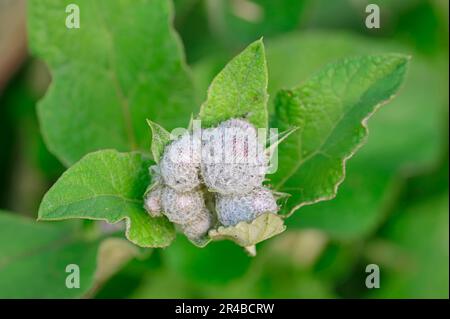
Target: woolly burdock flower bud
[
  {"x": 198, "y": 226},
  {"x": 152, "y": 202},
  {"x": 232, "y": 209},
  {"x": 182, "y": 207},
  {"x": 180, "y": 164},
  {"x": 233, "y": 160}
]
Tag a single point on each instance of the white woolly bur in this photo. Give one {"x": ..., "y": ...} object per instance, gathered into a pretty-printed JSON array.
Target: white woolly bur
[
  {"x": 153, "y": 202},
  {"x": 198, "y": 226},
  {"x": 182, "y": 207},
  {"x": 180, "y": 163},
  {"x": 232, "y": 209},
  {"x": 233, "y": 161}
]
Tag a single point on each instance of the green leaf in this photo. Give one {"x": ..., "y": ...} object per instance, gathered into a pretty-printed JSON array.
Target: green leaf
[
  {"x": 34, "y": 257},
  {"x": 239, "y": 90},
  {"x": 331, "y": 110},
  {"x": 123, "y": 65},
  {"x": 249, "y": 234},
  {"x": 108, "y": 185},
  {"x": 403, "y": 135},
  {"x": 160, "y": 138}
]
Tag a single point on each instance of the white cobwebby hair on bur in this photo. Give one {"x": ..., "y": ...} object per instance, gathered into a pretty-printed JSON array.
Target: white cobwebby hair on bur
[
  {"x": 181, "y": 207},
  {"x": 180, "y": 164},
  {"x": 230, "y": 160},
  {"x": 232, "y": 209},
  {"x": 233, "y": 161},
  {"x": 188, "y": 210},
  {"x": 198, "y": 226}
]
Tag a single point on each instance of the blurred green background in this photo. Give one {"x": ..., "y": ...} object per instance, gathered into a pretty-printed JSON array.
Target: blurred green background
[{"x": 392, "y": 209}]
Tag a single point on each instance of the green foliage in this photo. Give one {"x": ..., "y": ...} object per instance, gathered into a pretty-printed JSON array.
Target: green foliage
[
  {"x": 331, "y": 110},
  {"x": 108, "y": 185},
  {"x": 223, "y": 271},
  {"x": 217, "y": 263},
  {"x": 373, "y": 174},
  {"x": 238, "y": 22},
  {"x": 34, "y": 258},
  {"x": 421, "y": 267},
  {"x": 125, "y": 65},
  {"x": 239, "y": 90},
  {"x": 122, "y": 66}
]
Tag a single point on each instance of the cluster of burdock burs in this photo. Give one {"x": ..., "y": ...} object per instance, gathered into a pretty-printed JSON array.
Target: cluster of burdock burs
[{"x": 212, "y": 181}]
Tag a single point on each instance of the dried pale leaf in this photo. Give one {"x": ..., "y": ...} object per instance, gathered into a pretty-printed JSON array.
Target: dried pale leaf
[{"x": 248, "y": 234}]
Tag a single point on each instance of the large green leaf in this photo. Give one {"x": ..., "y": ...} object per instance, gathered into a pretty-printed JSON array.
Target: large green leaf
[
  {"x": 108, "y": 185},
  {"x": 123, "y": 65},
  {"x": 331, "y": 110},
  {"x": 404, "y": 135},
  {"x": 239, "y": 90},
  {"x": 33, "y": 259}
]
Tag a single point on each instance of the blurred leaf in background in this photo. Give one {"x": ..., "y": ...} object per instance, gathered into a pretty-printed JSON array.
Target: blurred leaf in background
[
  {"x": 412, "y": 246},
  {"x": 215, "y": 25},
  {"x": 33, "y": 264},
  {"x": 222, "y": 270},
  {"x": 418, "y": 236},
  {"x": 32, "y": 168},
  {"x": 243, "y": 21},
  {"x": 127, "y": 65}
]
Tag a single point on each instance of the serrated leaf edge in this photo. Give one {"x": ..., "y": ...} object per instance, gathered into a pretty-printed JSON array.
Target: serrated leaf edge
[{"x": 353, "y": 152}]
